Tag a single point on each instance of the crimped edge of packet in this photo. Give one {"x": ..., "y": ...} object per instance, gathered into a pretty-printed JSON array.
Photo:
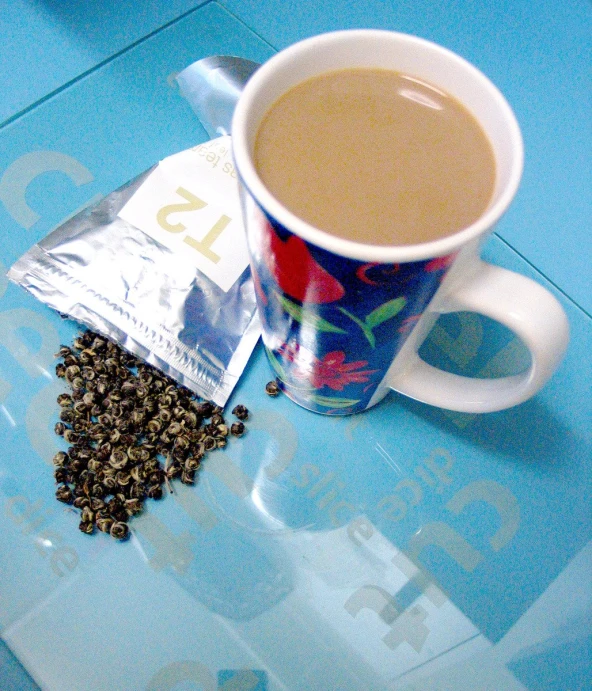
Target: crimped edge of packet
[{"x": 157, "y": 347}]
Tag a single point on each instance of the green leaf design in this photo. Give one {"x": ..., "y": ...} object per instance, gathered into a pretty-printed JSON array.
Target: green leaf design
[
  {"x": 333, "y": 402},
  {"x": 275, "y": 363},
  {"x": 307, "y": 318},
  {"x": 386, "y": 311},
  {"x": 367, "y": 331}
]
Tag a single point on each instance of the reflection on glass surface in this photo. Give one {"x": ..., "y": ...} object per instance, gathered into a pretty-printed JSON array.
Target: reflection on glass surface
[{"x": 7, "y": 415}]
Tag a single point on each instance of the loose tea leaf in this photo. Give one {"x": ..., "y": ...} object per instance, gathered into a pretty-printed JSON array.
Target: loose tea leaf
[
  {"x": 272, "y": 388},
  {"x": 241, "y": 412}
]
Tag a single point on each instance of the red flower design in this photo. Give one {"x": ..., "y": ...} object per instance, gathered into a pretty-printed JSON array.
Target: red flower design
[
  {"x": 334, "y": 372},
  {"x": 409, "y": 323},
  {"x": 331, "y": 371},
  {"x": 297, "y": 273},
  {"x": 386, "y": 271},
  {"x": 440, "y": 263}
]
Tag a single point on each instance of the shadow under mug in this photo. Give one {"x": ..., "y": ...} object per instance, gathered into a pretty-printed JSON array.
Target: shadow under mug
[{"x": 343, "y": 321}]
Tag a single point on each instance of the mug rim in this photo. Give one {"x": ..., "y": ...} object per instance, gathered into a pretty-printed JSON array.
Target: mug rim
[{"x": 251, "y": 181}]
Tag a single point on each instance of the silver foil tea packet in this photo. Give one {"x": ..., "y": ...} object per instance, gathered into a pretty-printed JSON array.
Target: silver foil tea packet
[
  {"x": 212, "y": 87},
  {"x": 160, "y": 266}
]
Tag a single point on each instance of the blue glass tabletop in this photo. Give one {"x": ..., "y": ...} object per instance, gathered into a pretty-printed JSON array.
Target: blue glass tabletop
[{"x": 404, "y": 548}]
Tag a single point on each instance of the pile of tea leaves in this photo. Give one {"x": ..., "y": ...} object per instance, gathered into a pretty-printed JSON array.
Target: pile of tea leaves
[{"x": 131, "y": 431}]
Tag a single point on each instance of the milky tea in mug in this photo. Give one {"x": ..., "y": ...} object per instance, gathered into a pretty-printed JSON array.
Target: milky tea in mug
[{"x": 376, "y": 156}]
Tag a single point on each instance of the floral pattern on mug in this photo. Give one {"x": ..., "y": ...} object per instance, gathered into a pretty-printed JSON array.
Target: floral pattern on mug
[
  {"x": 331, "y": 371},
  {"x": 332, "y": 325},
  {"x": 297, "y": 273}
]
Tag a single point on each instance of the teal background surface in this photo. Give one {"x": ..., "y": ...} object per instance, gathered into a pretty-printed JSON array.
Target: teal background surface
[{"x": 405, "y": 548}]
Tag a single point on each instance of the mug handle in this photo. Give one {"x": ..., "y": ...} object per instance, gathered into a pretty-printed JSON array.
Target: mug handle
[{"x": 515, "y": 301}]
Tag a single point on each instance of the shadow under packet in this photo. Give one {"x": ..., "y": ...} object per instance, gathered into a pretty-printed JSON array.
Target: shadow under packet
[{"x": 160, "y": 266}]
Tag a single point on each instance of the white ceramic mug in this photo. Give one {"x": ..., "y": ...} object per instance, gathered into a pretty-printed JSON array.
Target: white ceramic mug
[{"x": 312, "y": 375}]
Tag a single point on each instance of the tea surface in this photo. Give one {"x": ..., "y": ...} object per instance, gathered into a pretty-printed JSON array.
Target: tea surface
[{"x": 376, "y": 156}]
